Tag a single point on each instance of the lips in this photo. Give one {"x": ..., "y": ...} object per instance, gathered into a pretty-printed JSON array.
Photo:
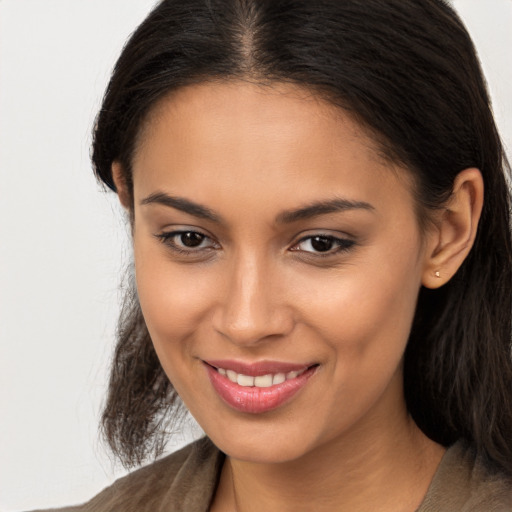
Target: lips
[{"x": 260, "y": 387}]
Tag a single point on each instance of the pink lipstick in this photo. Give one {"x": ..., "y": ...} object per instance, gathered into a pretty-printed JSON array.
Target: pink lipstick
[{"x": 258, "y": 387}]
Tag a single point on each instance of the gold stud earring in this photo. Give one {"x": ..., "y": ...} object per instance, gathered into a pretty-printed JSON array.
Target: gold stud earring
[{"x": 438, "y": 274}]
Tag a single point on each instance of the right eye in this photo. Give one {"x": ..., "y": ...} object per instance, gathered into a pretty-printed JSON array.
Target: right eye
[{"x": 187, "y": 241}]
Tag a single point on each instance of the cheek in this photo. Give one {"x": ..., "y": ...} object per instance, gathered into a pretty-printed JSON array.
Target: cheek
[
  {"x": 363, "y": 320},
  {"x": 364, "y": 311},
  {"x": 174, "y": 299}
]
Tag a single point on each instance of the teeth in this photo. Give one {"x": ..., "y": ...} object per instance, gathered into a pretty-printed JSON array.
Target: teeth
[
  {"x": 232, "y": 376},
  {"x": 245, "y": 380},
  {"x": 279, "y": 378},
  {"x": 262, "y": 381}
]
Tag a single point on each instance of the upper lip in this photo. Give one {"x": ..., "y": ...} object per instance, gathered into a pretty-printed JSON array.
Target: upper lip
[{"x": 258, "y": 368}]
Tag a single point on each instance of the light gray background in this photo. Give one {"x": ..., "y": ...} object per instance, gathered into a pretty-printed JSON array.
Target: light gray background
[{"x": 63, "y": 243}]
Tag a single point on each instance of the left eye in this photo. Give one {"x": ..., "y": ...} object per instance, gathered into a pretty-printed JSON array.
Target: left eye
[
  {"x": 186, "y": 241},
  {"x": 323, "y": 244}
]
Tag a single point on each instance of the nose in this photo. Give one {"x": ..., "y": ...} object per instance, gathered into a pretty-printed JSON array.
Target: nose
[{"x": 252, "y": 308}]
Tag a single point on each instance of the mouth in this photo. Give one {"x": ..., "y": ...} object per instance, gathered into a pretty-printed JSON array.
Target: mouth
[
  {"x": 260, "y": 387},
  {"x": 259, "y": 381}
]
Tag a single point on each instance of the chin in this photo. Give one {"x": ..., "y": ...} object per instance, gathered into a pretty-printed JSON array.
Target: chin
[
  {"x": 264, "y": 445},
  {"x": 271, "y": 453}
]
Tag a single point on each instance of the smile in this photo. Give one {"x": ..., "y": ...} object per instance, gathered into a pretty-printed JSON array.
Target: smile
[
  {"x": 258, "y": 388},
  {"x": 262, "y": 381}
]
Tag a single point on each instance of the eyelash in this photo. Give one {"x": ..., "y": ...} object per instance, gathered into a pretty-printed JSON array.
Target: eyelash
[
  {"x": 343, "y": 244},
  {"x": 167, "y": 239}
]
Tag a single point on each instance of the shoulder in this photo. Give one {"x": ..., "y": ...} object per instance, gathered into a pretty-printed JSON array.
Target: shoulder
[
  {"x": 184, "y": 480},
  {"x": 465, "y": 482}
]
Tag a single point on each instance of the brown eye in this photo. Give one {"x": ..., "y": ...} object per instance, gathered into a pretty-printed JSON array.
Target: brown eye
[
  {"x": 323, "y": 245},
  {"x": 187, "y": 241},
  {"x": 191, "y": 239}
]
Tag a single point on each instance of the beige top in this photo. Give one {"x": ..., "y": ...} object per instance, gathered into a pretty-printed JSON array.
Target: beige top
[{"x": 185, "y": 481}]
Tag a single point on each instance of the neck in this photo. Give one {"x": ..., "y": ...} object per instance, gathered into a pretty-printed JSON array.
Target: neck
[{"x": 341, "y": 478}]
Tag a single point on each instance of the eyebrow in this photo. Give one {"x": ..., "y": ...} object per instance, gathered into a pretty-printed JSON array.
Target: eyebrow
[
  {"x": 322, "y": 208},
  {"x": 182, "y": 204},
  {"x": 287, "y": 217}
]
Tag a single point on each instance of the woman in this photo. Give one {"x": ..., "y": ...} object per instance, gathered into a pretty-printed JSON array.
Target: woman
[{"x": 322, "y": 251}]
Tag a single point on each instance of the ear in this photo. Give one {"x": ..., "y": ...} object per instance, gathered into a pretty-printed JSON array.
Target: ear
[
  {"x": 450, "y": 241},
  {"x": 120, "y": 183}
]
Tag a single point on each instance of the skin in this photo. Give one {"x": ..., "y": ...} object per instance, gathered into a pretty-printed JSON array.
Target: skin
[{"x": 255, "y": 289}]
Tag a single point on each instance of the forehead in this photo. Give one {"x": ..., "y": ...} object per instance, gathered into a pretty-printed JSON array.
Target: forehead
[
  {"x": 280, "y": 141},
  {"x": 251, "y": 103}
]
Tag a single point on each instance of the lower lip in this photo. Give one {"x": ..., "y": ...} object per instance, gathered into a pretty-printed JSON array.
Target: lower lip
[{"x": 256, "y": 400}]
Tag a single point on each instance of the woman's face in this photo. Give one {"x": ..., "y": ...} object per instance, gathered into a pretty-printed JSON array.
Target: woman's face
[{"x": 275, "y": 248}]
